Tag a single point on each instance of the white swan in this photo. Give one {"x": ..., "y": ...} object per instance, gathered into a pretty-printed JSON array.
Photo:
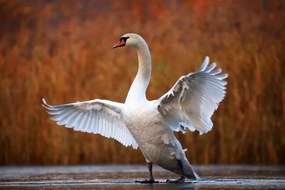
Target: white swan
[{"x": 149, "y": 125}]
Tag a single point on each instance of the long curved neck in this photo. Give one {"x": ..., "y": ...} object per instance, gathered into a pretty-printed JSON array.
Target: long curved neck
[{"x": 137, "y": 92}]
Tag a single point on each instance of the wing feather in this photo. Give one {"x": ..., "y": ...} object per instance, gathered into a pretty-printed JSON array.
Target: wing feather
[
  {"x": 193, "y": 99},
  {"x": 96, "y": 116}
]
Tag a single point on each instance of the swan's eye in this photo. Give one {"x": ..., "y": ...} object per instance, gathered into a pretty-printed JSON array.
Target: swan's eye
[{"x": 124, "y": 39}]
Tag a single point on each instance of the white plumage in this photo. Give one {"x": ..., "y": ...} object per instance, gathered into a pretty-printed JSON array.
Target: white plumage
[
  {"x": 96, "y": 116},
  {"x": 149, "y": 125},
  {"x": 193, "y": 99}
]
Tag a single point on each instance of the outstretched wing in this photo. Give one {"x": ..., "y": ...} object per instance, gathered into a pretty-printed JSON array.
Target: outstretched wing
[
  {"x": 193, "y": 99},
  {"x": 96, "y": 116}
]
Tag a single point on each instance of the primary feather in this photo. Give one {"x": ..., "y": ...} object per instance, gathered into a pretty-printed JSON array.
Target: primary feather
[
  {"x": 96, "y": 116},
  {"x": 193, "y": 99}
]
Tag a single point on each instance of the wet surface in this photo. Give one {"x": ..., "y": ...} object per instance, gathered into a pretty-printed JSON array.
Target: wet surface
[{"x": 124, "y": 177}]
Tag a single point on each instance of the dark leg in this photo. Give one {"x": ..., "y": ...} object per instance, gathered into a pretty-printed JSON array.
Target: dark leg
[
  {"x": 151, "y": 179},
  {"x": 149, "y": 165},
  {"x": 181, "y": 179}
]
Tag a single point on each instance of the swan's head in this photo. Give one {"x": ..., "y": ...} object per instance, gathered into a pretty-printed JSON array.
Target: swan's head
[{"x": 129, "y": 39}]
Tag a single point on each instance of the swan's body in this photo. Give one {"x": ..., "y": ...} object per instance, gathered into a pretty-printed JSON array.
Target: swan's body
[{"x": 149, "y": 125}]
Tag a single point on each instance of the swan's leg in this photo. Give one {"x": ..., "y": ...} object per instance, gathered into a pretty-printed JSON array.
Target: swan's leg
[
  {"x": 181, "y": 179},
  {"x": 151, "y": 179},
  {"x": 149, "y": 165}
]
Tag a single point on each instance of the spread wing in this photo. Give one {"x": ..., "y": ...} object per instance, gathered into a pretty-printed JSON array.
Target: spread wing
[
  {"x": 96, "y": 116},
  {"x": 193, "y": 99}
]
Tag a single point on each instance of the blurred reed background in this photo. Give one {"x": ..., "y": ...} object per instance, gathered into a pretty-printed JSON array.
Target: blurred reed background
[{"x": 62, "y": 51}]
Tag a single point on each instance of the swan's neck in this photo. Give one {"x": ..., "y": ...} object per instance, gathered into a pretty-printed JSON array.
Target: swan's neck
[{"x": 137, "y": 92}]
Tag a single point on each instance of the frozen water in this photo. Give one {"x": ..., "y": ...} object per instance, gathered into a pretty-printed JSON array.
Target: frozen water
[{"x": 124, "y": 176}]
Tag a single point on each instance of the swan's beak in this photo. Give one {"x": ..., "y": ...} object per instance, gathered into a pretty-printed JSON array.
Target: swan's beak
[{"x": 119, "y": 44}]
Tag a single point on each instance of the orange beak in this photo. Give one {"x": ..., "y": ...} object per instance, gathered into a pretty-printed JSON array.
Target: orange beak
[{"x": 119, "y": 44}]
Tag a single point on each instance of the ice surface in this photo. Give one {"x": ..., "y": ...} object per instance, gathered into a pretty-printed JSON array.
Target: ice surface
[{"x": 124, "y": 176}]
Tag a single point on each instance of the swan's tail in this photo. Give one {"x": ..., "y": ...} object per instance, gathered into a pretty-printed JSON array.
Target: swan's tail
[{"x": 188, "y": 170}]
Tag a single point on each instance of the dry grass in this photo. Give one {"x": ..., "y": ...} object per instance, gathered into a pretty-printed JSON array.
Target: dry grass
[{"x": 62, "y": 51}]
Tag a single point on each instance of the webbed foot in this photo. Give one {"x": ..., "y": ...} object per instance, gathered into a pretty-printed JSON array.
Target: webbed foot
[
  {"x": 147, "y": 181},
  {"x": 177, "y": 181}
]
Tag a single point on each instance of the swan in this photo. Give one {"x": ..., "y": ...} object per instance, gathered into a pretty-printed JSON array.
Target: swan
[{"x": 150, "y": 125}]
